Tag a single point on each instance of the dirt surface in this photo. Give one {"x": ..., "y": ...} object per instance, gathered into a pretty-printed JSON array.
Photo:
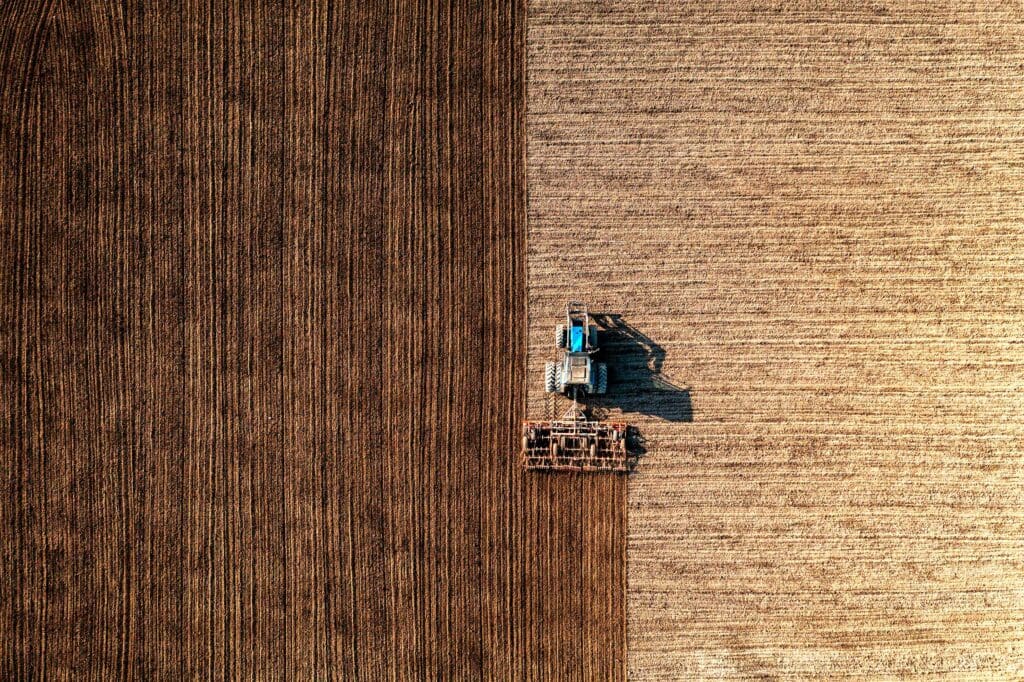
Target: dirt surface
[
  {"x": 809, "y": 218},
  {"x": 262, "y": 283}
]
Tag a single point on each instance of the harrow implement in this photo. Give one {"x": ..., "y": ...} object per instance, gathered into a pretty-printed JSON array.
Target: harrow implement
[{"x": 575, "y": 443}]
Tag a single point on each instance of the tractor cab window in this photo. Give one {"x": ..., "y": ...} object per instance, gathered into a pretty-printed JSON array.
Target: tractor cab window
[{"x": 576, "y": 339}]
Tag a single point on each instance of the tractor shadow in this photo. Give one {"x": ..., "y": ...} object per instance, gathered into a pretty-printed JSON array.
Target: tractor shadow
[{"x": 636, "y": 383}]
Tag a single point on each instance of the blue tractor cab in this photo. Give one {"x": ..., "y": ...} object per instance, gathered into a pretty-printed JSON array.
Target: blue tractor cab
[{"x": 576, "y": 336}]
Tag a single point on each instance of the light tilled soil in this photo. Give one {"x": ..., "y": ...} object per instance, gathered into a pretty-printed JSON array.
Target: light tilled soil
[{"x": 810, "y": 220}]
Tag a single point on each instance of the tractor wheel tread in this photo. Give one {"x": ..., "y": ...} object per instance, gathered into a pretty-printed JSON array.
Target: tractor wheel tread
[
  {"x": 560, "y": 336},
  {"x": 550, "y": 376}
]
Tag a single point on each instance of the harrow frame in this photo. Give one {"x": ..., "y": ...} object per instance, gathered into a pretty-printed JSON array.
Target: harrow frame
[{"x": 575, "y": 443}]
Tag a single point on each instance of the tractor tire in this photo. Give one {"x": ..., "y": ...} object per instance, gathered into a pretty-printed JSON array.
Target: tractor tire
[
  {"x": 550, "y": 377},
  {"x": 602, "y": 379},
  {"x": 560, "y": 336},
  {"x": 592, "y": 336}
]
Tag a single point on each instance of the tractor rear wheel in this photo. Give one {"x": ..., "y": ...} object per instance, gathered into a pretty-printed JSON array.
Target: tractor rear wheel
[
  {"x": 550, "y": 377},
  {"x": 602, "y": 379},
  {"x": 560, "y": 336}
]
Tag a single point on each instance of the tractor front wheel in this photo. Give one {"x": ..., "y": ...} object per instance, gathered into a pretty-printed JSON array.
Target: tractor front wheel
[{"x": 560, "y": 336}]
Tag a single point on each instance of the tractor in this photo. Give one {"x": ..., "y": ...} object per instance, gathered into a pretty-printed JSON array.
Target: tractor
[
  {"x": 575, "y": 442},
  {"x": 576, "y": 370}
]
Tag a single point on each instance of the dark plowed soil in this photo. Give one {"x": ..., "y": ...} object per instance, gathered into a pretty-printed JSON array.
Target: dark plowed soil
[{"x": 263, "y": 352}]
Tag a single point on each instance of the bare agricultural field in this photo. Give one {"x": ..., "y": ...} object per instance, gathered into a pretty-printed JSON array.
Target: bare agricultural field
[
  {"x": 262, "y": 290},
  {"x": 811, "y": 221}
]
